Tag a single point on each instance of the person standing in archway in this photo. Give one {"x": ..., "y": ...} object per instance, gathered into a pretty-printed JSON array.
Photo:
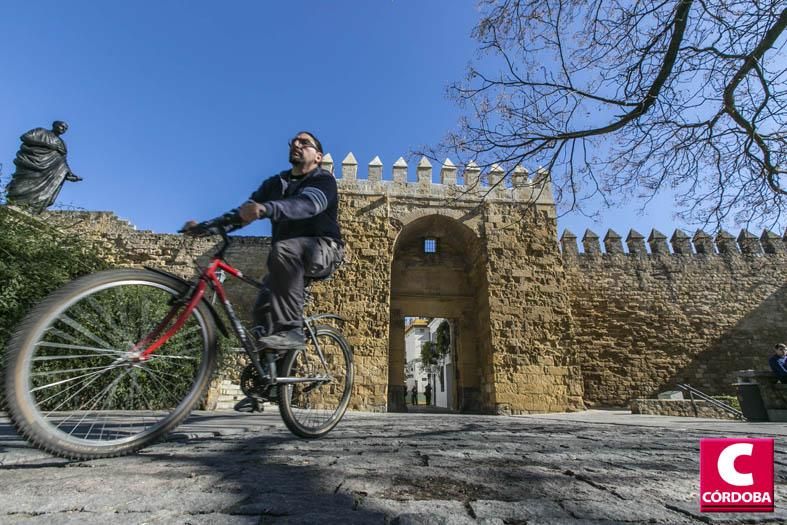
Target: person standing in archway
[
  {"x": 428, "y": 393},
  {"x": 414, "y": 394}
]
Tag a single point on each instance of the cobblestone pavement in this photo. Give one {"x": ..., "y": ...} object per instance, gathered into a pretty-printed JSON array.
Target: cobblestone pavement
[{"x": 593, "y": 467}]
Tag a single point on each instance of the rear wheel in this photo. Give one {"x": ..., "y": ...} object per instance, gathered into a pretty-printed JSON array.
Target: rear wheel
[
  {"x": 312, "y": 408},
  {"x": 75, "y": 384}
]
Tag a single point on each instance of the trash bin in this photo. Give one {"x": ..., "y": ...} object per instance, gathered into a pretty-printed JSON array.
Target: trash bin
[{"x": 751, "y": 402}]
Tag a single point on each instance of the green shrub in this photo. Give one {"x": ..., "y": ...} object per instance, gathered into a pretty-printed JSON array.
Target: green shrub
[
  {"x": 730, "y": 400},
  {"x": 36, "y": 259}
]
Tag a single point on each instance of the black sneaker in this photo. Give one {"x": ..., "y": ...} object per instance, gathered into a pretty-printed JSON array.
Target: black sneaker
[
  {"x": 250, "y": 405},
  {"x": 284, "y": 340}
]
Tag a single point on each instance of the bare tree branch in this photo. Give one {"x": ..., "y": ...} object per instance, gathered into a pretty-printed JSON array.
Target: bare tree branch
[{"x": 626, "y": 98}]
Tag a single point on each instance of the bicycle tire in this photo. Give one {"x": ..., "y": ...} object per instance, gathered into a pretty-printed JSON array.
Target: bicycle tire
[
  {"x": 311, "y": 410},
  {"x": 94, "y": 323}
]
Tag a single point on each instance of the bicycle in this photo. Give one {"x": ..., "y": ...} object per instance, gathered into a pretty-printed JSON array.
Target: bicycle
[{"x": 113, "y": 361}]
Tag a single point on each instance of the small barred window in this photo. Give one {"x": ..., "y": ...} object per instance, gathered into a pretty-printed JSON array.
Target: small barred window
[{"x": 430, "y": 245}]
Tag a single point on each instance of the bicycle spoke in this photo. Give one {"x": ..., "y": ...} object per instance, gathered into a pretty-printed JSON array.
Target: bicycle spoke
[
  {"x": 160, "y": 383},
  {"x": 69, "y": 357},
  {"x": 43, "y": 402},
  {"x": 36, "y": 389},
  {"x": 54, "y": 372},
  {"x": 80, "y": 347},
  {"x": 95, "y": 378},
  {"x": 136, "y": 386},
  {"x": 126, "y": 373},
  {"x": 107, "y": 317},
  {"x": 110, "y": 386},
  {"x": 157, "y": 357},
  {"x": 141, "y": 391},
  {"x": 83, "y": 330},
  {"x": 63, "y": 335}
]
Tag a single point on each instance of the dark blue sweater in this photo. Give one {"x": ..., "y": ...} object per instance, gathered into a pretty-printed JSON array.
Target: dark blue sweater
[
  {"x": 779, "y": 366},
  {"x": 301, "y": 207}
]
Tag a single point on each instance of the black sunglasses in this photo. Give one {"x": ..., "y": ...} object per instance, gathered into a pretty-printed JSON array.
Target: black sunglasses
[{"x": 304, "y": 143}]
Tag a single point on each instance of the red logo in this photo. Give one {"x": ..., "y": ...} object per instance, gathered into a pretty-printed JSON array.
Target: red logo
[{"x": 736, "y": 475}]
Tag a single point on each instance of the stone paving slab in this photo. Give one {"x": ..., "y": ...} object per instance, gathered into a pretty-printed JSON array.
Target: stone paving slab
[
  {"x": 200, "y": 425},
  {"x": 594, "y": 467}
]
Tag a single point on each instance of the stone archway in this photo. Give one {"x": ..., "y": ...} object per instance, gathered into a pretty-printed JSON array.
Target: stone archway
[{"x": 449, "y": 283}]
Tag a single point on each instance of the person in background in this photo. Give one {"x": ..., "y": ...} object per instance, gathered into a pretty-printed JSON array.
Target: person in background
[{"x": 778, "y": 362}]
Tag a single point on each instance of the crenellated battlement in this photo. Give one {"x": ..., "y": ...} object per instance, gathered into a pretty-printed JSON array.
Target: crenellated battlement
[
  {"x": 493, "y": 184},
  {"x": 701, "y": 243}
]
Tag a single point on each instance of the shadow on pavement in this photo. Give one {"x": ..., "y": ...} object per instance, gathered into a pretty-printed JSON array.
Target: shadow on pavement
[{"x": 389, "y": 468}]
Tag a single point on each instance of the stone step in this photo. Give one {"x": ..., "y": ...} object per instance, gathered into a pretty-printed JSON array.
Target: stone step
[
  {"x": 237, "y": 397},
  {"x": 230, "y": 391}
]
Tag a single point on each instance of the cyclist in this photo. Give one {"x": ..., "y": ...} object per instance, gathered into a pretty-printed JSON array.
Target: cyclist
[{"x": 302, "y": 204}]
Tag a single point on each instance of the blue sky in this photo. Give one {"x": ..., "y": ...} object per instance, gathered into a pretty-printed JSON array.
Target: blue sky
[{"x": 180, "y": 109}]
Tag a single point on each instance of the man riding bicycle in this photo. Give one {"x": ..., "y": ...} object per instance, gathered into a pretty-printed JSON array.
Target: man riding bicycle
[{"x": 302, "y": 204}]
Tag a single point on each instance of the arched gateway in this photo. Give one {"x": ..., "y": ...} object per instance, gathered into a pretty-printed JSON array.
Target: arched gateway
[
  {"x": 491, "y": 267},
  {"x": 438, "y": 270}
]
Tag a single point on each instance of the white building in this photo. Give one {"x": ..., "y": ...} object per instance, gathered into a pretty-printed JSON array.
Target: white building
[
  {"x": 416, "y": 333},
  {"x": 443, "y": 375},
  {"x": 440, "y": 376}
]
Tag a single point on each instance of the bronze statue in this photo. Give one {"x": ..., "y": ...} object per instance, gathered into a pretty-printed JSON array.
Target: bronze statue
[{"x": 41, "y": 168}]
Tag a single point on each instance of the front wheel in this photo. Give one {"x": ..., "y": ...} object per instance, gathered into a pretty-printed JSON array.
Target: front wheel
[
  {"x": 75, "y": 383},
  {"x": 313, "y": 406}
]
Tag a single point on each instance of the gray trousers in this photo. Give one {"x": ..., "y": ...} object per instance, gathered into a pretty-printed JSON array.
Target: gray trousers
[{"x": 279, "y": 305}]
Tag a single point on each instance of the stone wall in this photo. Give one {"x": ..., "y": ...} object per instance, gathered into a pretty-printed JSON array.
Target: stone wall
[
  {"x": 679, "y": 407},
  {"x": 537, "y": 330},
  {"x": 695, "y": 314},
  {"x": 517, "y": 356},
  {"x": 175, "y": 253},
  {"x": 530, "y": 328}
]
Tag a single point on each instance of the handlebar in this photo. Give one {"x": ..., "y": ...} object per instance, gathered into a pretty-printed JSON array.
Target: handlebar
[
  {"x": 206, "y": 229},
  {"x": 225, "y": 242}
]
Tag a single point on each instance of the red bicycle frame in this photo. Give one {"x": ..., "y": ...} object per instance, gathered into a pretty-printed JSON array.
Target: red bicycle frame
[{"x": 207, "y": 276}]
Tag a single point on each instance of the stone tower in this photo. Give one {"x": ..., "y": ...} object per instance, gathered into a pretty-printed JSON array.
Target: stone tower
[{"x": 483, "y": 254}]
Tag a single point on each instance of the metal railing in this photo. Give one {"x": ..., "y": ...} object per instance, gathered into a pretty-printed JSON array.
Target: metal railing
[{"x": 705, "y": 397}]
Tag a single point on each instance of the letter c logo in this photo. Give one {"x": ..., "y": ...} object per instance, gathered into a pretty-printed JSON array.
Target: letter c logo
[{"x": 726, "y": 465}]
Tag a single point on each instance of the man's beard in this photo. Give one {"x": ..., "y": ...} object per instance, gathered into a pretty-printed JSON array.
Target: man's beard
[{"x": 296, "y": 159}]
